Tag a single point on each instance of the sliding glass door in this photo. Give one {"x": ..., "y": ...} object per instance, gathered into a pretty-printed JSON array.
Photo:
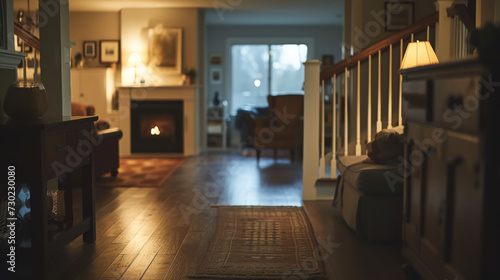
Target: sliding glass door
[{"x": 262, "y": 69}]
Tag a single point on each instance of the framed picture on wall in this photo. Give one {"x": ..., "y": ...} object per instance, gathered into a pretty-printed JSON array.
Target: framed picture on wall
[
  {"x": 165, "y": 48},
  {"x": 109, "y": 51},
  {"x": 216, "y": 76},
  {"x": 216, "y": 59},
  {"x": 90, "y": 49},
  {"x": 399, "y": 15},
  {"x": 327, "y": 60}
]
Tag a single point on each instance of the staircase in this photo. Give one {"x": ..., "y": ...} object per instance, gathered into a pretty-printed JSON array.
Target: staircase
[
  {"x": 364, "y": 93},
  {"x": 347, "y": 103}
]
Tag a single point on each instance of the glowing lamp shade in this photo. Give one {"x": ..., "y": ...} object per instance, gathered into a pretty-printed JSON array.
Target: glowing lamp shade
[
  {"x": 134, "y": 60},
  {"x": 418, "y": 54}
]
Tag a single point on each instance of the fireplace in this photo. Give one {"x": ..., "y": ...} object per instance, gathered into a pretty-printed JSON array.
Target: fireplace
[{"x": 156, "y": 126}]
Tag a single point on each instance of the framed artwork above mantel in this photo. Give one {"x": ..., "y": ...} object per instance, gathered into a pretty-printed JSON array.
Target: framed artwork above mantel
[{"x": 165, "y": 49}]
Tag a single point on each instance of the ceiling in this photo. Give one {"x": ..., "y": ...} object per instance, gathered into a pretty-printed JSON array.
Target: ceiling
[{"x": 229, "y": 12}]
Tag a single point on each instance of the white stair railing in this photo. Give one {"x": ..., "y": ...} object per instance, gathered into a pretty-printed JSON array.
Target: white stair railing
[{"x": 356, "y": 106}]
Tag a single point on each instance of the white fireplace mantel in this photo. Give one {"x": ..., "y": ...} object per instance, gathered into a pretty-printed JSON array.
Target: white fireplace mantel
[{"x": 189, "y": 96}]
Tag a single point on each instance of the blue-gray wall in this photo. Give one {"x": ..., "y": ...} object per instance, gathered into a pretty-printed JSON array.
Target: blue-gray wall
[{"x": 327, "y": 40}]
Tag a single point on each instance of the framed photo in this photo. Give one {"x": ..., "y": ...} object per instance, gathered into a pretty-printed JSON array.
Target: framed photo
[
  {"x": 216, "y": 59},
  {"x": 109, "y": 51},
  {"x": 165, "y": 48},
  {"x": 399, "y": 15},
  {"x": 216, "y": 76},
  {"x": 327, "y": 60},
  {"x": 90, "y": 49}
]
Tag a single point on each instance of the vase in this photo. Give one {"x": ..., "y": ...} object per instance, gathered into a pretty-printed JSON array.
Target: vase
[
  {"x": 217, "y": 99},
  {"x": 25, "y": 102}
]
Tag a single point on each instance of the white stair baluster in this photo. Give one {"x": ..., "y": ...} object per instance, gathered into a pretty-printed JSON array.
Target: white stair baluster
[
  {"x": 369, "y": 126},
  {"x": 346, "y": 122},
  {"x": 358, "y": 113},
  {"x": 379, "y": 101},
  {"x": 322, "y": 120},
  {"x": 400, "y": 100},
  {"x": 333, "y": 163},
  {"x": 389, "y": 108}
]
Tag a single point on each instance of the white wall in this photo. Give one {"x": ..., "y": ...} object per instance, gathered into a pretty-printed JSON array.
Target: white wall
[{"x": 92, "y": 26}]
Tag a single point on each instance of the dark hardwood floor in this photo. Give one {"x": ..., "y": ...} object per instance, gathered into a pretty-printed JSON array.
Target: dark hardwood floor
[{"x": 160, "y": 233}]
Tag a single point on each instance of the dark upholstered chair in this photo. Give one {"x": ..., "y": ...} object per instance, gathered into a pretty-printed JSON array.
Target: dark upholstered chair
[
  {"x": 283, "y": 128},
  {"x": 106, "y": 154}
]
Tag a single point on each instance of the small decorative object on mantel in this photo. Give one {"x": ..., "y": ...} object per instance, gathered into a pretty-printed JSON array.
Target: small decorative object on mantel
[{"x": 190, "y": 76}]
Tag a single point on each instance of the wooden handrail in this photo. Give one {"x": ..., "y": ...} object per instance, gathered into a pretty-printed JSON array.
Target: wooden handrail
[
  {"x": 26, "y": 36},
  {"x": 353, "y": 60},
  {"x": 463, "y": 14}
]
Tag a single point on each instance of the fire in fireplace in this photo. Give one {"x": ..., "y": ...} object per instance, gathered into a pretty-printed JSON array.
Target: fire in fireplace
[{"x": 157, "y": 126}]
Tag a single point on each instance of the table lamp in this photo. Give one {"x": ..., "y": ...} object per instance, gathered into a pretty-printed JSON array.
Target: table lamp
[{"x": 418, "y": 54}]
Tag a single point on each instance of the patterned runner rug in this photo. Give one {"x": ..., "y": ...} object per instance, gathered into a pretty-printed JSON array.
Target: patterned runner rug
[
  {"x": 262, "y": 243},
  {"x": 141, "y": 172}
]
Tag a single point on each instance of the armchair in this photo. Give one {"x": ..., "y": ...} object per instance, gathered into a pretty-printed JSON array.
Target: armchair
[
  {"x": 283, "y": 128},
  {"x": 107, "y": 158}
]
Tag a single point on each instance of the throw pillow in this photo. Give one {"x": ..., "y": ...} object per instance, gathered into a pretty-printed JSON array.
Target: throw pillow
[{"x": 386, "y": 147}]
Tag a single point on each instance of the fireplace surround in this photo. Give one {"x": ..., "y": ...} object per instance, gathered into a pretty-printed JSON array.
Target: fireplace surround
[
  {"x": 156, "y": 126},
  {"x": 190, "y": 119}
]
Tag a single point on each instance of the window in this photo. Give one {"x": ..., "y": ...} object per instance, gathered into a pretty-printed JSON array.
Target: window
[{"x": 262, "y": 69}]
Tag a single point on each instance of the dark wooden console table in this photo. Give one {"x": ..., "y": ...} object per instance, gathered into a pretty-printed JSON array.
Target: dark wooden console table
[
  {"x": 451, "y": 223},
  {"x": 45, "y": 154}
]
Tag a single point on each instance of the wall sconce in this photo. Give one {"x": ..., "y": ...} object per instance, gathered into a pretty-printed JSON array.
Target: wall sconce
[
  {"x": 418, "y": 54},
  {"x": 134, "y": 61}
]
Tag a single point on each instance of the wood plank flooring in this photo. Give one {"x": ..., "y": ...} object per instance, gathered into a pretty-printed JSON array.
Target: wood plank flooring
[{"x": 161, "y": 233}]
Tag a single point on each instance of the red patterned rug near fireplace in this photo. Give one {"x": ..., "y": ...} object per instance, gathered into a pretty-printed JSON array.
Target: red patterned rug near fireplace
[{"x": 146, "y": 172}]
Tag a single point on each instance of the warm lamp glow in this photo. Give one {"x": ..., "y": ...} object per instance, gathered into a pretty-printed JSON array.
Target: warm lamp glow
[
  {"x": 134, "y": 60},
  {"x": 418, "y": 54}
]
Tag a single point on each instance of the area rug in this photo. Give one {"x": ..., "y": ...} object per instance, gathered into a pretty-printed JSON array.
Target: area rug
[
  {"x": 141, "y": 172},
  {"x": 262, "y": 243}
]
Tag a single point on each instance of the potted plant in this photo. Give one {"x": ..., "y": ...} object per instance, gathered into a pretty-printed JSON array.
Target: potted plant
[{"x": 190, "y": 76}]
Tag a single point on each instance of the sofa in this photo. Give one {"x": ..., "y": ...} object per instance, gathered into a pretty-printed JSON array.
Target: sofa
[{"x": 106, "y": 153}]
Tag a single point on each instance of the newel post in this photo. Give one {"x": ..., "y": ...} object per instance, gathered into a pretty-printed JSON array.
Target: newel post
[
  {"x": 310, "y": 170},
  {"x": 444, "y": 32}
]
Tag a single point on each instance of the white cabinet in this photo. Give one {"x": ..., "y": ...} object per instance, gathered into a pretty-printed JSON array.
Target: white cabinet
[{"x": 95, "y": 86}]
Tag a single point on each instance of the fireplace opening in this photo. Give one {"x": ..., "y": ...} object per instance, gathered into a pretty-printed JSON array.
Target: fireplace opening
[{"x": 157, "y": 126}]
